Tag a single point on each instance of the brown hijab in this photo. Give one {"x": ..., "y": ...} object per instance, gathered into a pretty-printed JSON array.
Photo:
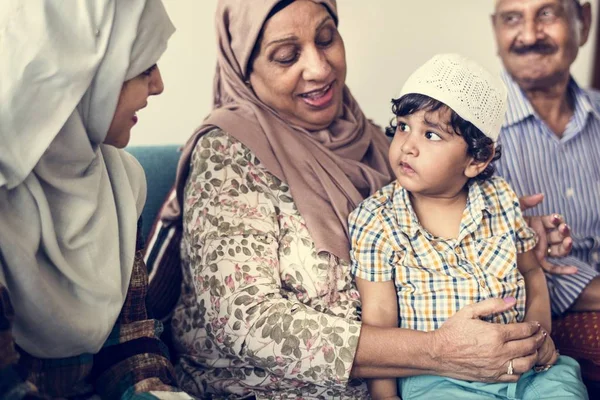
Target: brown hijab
[{"x": 329, "y": 171}]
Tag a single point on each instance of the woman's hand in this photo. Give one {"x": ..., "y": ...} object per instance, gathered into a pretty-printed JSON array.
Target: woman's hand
[
  {"x": 470, "y": 349},
  {"x": 554, "y": 236}
]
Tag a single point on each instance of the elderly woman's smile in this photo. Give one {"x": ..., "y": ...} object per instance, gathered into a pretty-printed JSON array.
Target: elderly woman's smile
[
  {"x": 299, "y": 68},
  {"x": 319, "y": 98}
]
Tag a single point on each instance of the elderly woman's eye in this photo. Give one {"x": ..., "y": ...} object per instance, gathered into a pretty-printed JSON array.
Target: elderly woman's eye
[
  {"x": 325, "y": 38},
  {"x": 285, "y": 56}
]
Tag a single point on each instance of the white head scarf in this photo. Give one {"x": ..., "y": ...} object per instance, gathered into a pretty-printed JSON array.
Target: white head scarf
[{"x": 68, "y": 204}]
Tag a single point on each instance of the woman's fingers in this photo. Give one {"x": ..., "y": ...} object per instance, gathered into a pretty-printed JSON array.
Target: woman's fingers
[
  {"x": 523, "y": 330},
  {"x": 524, "y": 347},
  {"x": 486, "y": 307},
  {"x": 520, "y": 366}
]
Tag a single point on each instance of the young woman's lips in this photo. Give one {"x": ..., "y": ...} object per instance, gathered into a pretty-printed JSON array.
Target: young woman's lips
[
  {"x": 321, "y": 98},
  {"x": 134, "y": 119}
]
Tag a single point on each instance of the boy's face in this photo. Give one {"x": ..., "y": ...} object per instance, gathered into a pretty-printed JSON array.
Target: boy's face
[{"x": 428, "y": 157}]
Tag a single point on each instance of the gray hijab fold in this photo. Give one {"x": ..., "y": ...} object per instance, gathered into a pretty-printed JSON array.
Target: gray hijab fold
[{"x": 69, "y": 204}]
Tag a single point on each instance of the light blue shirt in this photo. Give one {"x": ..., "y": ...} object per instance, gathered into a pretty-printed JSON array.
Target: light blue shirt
[{"x": 566, "y": 170}]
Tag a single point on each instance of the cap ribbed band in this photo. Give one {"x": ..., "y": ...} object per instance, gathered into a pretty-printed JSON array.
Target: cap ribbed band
[{"x": 464, "y": 86}]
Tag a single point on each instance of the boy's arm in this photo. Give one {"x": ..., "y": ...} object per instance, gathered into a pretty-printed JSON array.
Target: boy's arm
[
  {"x": 538, "y": 298},
  {"x": 379, "y": 308}
]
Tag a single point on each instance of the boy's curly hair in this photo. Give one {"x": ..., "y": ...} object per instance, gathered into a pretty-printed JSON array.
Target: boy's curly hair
[{"x": 479, "y": 146}]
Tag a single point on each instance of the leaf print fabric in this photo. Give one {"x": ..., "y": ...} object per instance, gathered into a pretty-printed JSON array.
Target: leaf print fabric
[{"x": 252, "y": 316}]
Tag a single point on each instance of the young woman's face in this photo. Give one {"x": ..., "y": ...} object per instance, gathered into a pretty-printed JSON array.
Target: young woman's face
[
  {"x": 300, "y": 70},
  {"x": 134, "y": 96},
  {"x": 427, "y": 157}
]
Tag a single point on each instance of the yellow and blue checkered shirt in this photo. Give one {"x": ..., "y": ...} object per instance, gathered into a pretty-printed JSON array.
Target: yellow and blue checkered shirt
[{"x": 436, "y": 277}]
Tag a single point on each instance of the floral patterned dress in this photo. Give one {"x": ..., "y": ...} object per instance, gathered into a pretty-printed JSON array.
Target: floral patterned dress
[{"x": 252, "y": 318}]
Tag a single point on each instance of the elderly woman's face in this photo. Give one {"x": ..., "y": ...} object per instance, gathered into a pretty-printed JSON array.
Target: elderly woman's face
[{"x": 300, "y": 70}]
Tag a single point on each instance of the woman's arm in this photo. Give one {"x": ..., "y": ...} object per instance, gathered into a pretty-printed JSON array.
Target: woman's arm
[
  {"x": 251, "y": 315},
  {"x": 465, "y": 347},
  {"x": 379, "y": 308},
  {"x": 538, "y": 298}
]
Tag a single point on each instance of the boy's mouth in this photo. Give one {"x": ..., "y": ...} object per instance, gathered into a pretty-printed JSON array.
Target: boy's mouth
[{"x": 406, "y": 168}]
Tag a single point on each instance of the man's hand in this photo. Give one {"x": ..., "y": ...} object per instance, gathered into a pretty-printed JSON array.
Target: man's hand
[{"x": 554, "y": 236}]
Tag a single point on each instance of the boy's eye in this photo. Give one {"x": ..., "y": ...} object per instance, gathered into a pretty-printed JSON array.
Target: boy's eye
[
  {"x": 432, "y": 136},
  {"x": 402, "y": 127}
]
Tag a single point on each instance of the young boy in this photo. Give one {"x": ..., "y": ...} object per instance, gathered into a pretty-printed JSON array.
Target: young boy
[{"x": 447, "y": 233}]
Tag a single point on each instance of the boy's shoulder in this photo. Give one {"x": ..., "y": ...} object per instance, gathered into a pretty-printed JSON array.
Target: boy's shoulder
[
  {"x": 497, "y": 193},
  {"x": 379, "y": 200}
]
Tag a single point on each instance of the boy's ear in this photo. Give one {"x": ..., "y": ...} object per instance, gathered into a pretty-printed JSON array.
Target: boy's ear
[{"x": 475, "y": 167}]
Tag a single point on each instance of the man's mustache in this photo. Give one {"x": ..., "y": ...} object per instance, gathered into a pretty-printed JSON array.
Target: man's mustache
[{"x": 542, "y": 48}]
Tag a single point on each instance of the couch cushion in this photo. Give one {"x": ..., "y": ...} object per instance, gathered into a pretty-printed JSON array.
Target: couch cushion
[{"x": 160, "y": 165}]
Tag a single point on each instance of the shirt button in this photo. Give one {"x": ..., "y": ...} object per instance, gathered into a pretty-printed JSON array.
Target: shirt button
[
  {"x": 570, "y": 192},
  {"x": 595, "y": 257},
  {"x": 482, "y": 283}
]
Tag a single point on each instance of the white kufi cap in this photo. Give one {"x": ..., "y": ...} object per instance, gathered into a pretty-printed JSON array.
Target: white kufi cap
[{"x": 466, "y": 87}]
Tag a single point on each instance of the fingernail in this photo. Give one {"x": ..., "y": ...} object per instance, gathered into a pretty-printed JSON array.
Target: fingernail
[
  {"x": 508, "y": 300},
  {"x": 556, "y": 216},
  {"x": 567, "y": 228},
  {"x": 545, "y": 333}
]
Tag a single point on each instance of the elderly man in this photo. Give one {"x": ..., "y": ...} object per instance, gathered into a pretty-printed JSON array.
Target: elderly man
[{"x": 551, "y": 135}]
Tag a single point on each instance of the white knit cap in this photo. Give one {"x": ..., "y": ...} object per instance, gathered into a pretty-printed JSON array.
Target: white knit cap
[{"x": 464, "y": 86}]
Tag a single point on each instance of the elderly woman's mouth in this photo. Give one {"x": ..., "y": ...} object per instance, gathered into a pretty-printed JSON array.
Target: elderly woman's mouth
[{"x": 319, "y": 98}]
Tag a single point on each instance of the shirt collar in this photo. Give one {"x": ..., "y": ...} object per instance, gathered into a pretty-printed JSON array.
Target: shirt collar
[
  {"x": 519, "y": 107},
  {"x": 477, "y": 202}
]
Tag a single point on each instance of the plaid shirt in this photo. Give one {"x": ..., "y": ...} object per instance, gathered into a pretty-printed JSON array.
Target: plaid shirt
[
  {"x": 133, "y": 362},
  {"x": 436, "y": 277}
]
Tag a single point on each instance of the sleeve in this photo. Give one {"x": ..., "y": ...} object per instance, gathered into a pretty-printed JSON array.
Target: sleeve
[
  {"x": 525, "y": 237},
  {"x": 371, "y": 254},
  {"x": 231, "y": 221},
  {"x": 134, "y": 362},
  {"x": 12, "y": 383}
]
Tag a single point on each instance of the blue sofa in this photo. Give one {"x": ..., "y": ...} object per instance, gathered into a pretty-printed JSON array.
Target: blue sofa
[{"x": 160, "y": 165}]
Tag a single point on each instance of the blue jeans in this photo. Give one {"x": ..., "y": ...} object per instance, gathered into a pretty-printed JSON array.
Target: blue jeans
[{"x": 562, "y": 381}]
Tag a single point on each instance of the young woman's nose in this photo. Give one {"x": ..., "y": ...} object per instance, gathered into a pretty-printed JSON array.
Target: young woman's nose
[{"x": 156, "y": 83}]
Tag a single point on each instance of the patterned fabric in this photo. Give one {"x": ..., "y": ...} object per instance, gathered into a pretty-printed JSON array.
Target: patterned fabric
[
  {"x": 567, "y": 171},
  {"x": 252, "y": 317},
  {"x": 132, "y": 362},
  {"x": 576, "y": 334},
  {"x": 436, "y": 277}
]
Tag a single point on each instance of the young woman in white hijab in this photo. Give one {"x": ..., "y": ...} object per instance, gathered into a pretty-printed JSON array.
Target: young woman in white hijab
[{"x": 73, "y": 321}]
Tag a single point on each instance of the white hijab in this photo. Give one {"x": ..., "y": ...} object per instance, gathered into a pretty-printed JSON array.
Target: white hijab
[{"x": 68, "y": 204}]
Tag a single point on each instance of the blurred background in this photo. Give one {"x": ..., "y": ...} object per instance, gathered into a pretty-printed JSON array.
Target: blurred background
[{"x": 385, "y": 41}]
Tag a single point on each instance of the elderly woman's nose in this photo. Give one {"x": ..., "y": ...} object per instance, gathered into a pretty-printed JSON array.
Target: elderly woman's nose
[
  {"x": 316, "y": 65},
  {"x": 156, "y": 83}
]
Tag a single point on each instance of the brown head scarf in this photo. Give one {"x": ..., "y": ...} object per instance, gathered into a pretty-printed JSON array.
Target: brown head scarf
[{"x": 329, "y": 171}]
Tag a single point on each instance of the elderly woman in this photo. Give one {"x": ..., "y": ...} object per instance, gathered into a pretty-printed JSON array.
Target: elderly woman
[
  {"x": 73, "y": 322},
  {"x": 268, "y": 308}
]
